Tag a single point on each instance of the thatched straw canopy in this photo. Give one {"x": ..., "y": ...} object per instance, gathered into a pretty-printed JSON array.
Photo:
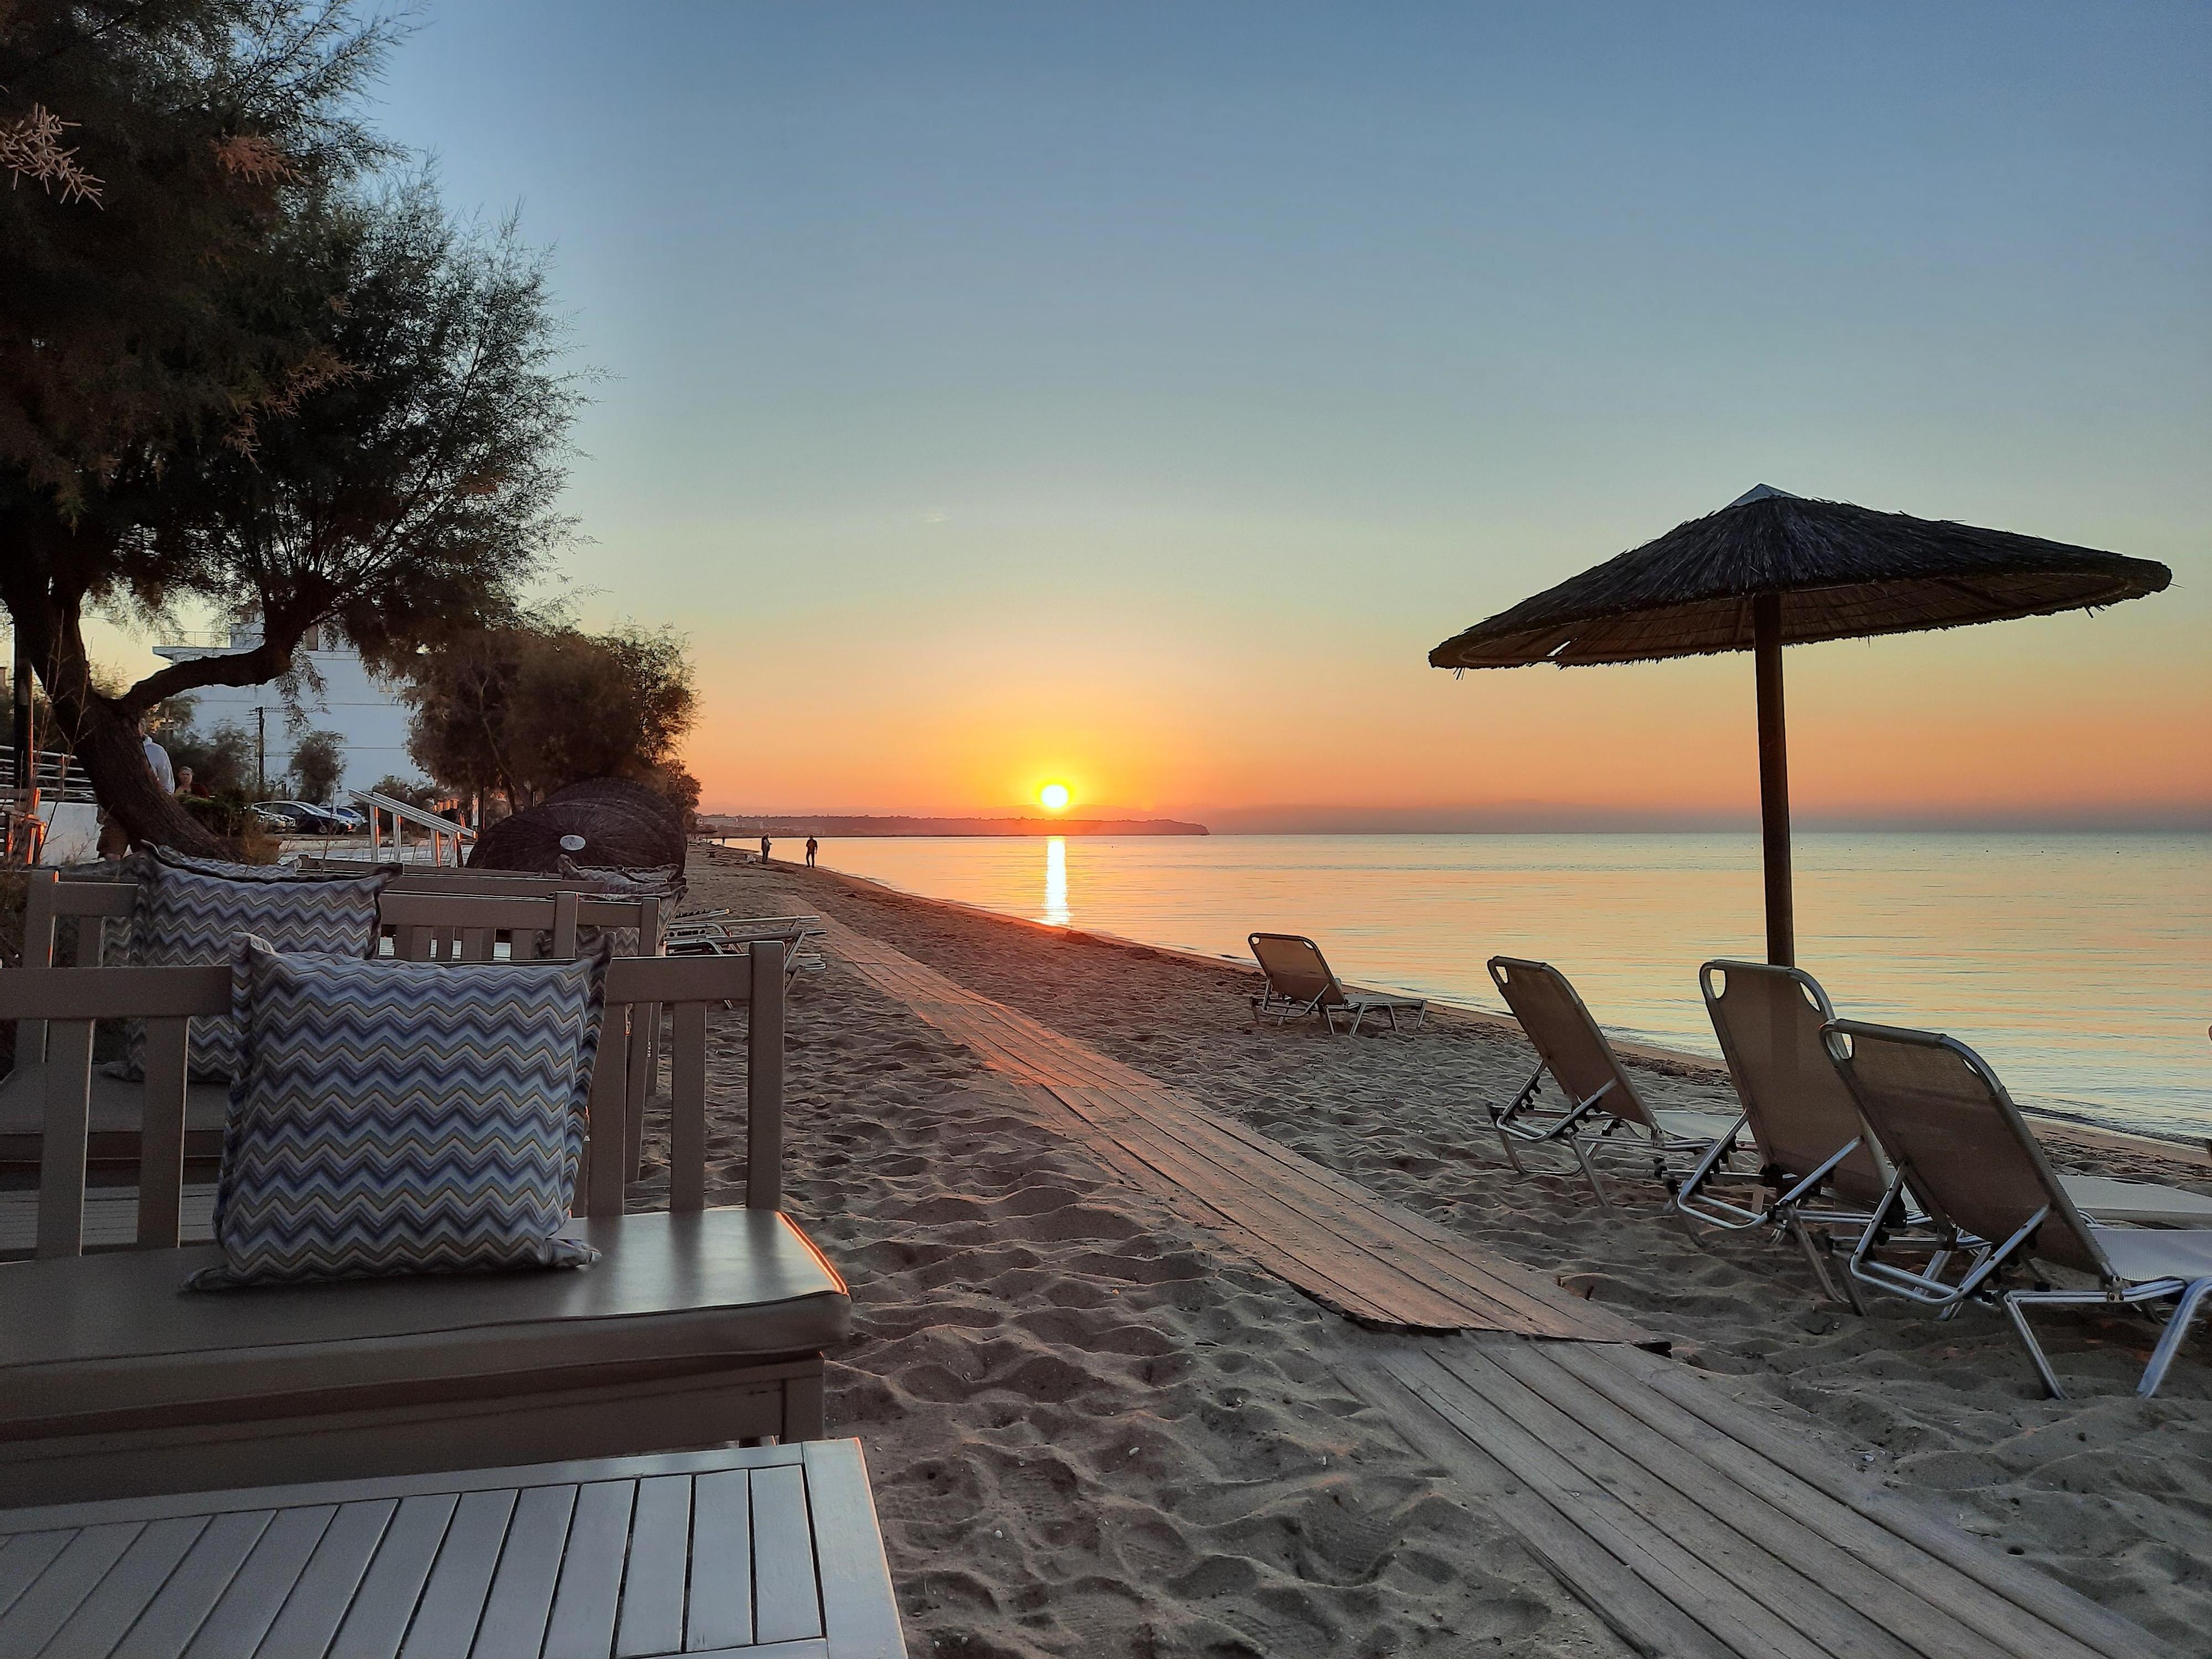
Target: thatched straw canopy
[{"x": 1844, "y": 572}]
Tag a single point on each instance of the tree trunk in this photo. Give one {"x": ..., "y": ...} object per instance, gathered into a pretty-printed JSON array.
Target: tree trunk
[
  {"x": 103, "y": 731},
  {"x": 108, "y": 745}
]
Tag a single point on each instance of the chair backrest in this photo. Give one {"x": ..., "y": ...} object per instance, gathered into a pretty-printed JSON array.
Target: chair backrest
[
  {"x": 1948, "y": 1125},
  {"x": 1565, "y": 1038},
  {"x": 425, "y": 922},
  {"x": 70, "y": 1000},
  {"x": 1769, "y": 1021},
  {"x": 1296, "y": 969},
  {"x": 503, "y": 883}
]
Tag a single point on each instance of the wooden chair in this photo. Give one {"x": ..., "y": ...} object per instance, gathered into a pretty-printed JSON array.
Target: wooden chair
[
  {"x": 699, "y": 1325},
  {"x": 422, "y": 927}
]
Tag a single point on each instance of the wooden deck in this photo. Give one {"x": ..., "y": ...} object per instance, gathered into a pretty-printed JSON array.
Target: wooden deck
[
  {"x": 1698, "y": 1525},
  {"x": 772, "y": 1551},
  {"x": 1350, "y": 1251}
]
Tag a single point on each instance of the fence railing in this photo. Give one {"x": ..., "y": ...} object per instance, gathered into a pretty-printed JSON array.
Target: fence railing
[{"x": 441, "y": 834}]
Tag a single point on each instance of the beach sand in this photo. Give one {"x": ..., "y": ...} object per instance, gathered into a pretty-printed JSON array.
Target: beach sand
[{"x": 1093, "y": 1430}]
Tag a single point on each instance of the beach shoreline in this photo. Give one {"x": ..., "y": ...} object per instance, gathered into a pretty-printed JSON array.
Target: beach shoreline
[
  {"x": 2089, "y": 1137},
  {"x": 993, "y": 1262}
]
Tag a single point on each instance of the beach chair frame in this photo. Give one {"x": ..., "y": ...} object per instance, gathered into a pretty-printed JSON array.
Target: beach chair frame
[
  {"x": 1329, "y": 999},
  {"x": 1794, "y": 1206},
  {"x": 1601, "y": 1101},
  {"x": 2053, "y": 1231}
]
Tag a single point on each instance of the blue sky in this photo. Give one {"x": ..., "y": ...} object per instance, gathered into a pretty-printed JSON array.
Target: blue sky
[{"x": 1004, "y": 391}]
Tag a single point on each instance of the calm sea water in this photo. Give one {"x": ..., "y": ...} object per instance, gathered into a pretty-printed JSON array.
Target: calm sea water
[{"x": 2080, "y": 966}]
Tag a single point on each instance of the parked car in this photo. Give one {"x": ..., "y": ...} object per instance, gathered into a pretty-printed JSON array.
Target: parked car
[{"x": 300, "y": 817}]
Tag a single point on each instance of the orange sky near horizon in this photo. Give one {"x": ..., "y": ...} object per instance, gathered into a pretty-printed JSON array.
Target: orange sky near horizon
[{"x": 2104, "y": 716}]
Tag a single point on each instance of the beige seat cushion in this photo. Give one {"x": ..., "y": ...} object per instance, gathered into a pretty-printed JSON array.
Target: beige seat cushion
[
  {"x": 118, "y": 1111},
  {"x": 2107, "y": 1199},
  {"x": 95, "y": 1343}
]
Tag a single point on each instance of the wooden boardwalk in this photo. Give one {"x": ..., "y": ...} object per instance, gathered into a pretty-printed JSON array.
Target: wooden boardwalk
[
  {"x": 1350, "y": 1251},
  {"x": 1696, "y": 1525},
  {"x": 1700, "y": 1526}
]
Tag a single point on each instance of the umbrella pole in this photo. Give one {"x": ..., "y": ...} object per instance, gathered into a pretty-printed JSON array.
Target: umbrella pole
[{"x": 1773, "y": 779}]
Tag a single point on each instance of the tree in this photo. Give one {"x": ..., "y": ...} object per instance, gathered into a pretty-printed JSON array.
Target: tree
[
  {"x": 317, "y": 763},
  {"x": 384, "y": 439},
  {"x": 523, "y": 711}
]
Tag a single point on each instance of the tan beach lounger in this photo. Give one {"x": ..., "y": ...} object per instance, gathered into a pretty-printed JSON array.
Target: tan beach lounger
[
  {"x": 717, "y": 933},
  {"x": 1299, "y": 981},
  {"x": 1601, "y": 1100},
  {"x": 1821, "y": 1172},
  {"x": 1825, "y": 1173},
  {"x": 1960, "y": 1148}
]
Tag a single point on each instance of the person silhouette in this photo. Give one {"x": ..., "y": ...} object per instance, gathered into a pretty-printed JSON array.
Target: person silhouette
[
  {"x": 811, "y": 844},
  {"x": 765, "y": 844}
]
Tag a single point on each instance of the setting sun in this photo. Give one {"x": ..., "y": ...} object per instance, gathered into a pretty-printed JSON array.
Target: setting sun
[{"x": 1054, "y": 797}]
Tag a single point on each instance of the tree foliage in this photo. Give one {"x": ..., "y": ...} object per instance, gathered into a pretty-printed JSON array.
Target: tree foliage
[
  {"x": 520, "y": 712},
  {"x": 248, "y": 377},
  {"x": 317, "y": 763}
]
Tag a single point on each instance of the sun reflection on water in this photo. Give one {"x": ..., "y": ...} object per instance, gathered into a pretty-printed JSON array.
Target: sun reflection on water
[{"x": 1055, "y": 882}]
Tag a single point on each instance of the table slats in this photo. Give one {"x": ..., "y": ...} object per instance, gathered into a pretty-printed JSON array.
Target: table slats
[{"x": 763, "y": 1550}]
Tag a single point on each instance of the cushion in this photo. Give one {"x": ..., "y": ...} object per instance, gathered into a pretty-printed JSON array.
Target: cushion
[
  {"x": 403, "y": 1117},
  {"x": 192, "y": 912},
  {"x": 104, "y": 1342}
]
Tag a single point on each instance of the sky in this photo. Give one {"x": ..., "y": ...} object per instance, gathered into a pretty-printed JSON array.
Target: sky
[{"x": 1132, "y": 394}]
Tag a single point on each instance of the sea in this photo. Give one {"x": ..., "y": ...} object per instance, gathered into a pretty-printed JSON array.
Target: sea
[{"x": 2079, "y": 965}]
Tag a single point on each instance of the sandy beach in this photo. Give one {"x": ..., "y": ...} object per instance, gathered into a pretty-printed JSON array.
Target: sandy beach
[{"x": 1096, "y": 1430}]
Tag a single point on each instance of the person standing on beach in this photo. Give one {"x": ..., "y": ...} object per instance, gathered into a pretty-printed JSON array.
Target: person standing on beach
[
  {"x": 764, "y": 847},
  {"x": 811, "y": 845}
]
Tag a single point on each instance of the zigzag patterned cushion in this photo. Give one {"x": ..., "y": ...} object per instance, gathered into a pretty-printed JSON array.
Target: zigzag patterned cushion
[
  {"x": 192, "y": 911},
  {"x": 402, "y": 1117}
]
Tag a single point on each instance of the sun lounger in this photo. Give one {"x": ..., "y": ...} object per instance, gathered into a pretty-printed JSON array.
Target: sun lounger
[
  {"x": 697, "y": 1325},
  {"x": 1960, "y": 1148},
  {"x": 1824, "y": 1173},
  {"x": 1299, "y": 981},
  {"x": 767, "y": 1549},
  {"x": 1601, "y": 1099},
  {"x": 1820, "y": 1172},
  {"x": 717, "y": 933}
]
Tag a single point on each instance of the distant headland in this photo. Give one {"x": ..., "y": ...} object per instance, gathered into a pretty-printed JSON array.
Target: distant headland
[{"x": 718, "y": 824}]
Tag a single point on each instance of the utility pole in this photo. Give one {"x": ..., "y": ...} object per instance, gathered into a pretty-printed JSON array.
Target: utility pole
[{"x": 260, "y": 752}]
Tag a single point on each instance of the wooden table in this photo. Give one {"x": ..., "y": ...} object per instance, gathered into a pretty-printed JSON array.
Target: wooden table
[{"x": 769, "y": 1550}]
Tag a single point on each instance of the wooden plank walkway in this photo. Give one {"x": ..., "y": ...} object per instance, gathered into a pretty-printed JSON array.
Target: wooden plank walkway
[
  {"x": 1353, "y": 1252},
  {"x": 1696, "y": 1525}
]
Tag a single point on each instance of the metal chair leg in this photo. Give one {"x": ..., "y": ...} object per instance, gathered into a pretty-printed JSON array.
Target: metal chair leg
[
  {"x": 1849, "y": 1295},
  {"x": 2012, "y": 1303},
  {"x": 2177, "y": 1329},
  {"x": 1589, "y": 1171},
  {"x": 1511, "y": 1156}
]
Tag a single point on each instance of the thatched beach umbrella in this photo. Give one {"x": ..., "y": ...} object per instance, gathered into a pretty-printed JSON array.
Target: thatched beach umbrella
[{"x": 1771, "y": 570}]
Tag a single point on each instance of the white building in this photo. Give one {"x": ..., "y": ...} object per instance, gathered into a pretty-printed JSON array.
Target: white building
[{"x": 341, "y": 696}]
